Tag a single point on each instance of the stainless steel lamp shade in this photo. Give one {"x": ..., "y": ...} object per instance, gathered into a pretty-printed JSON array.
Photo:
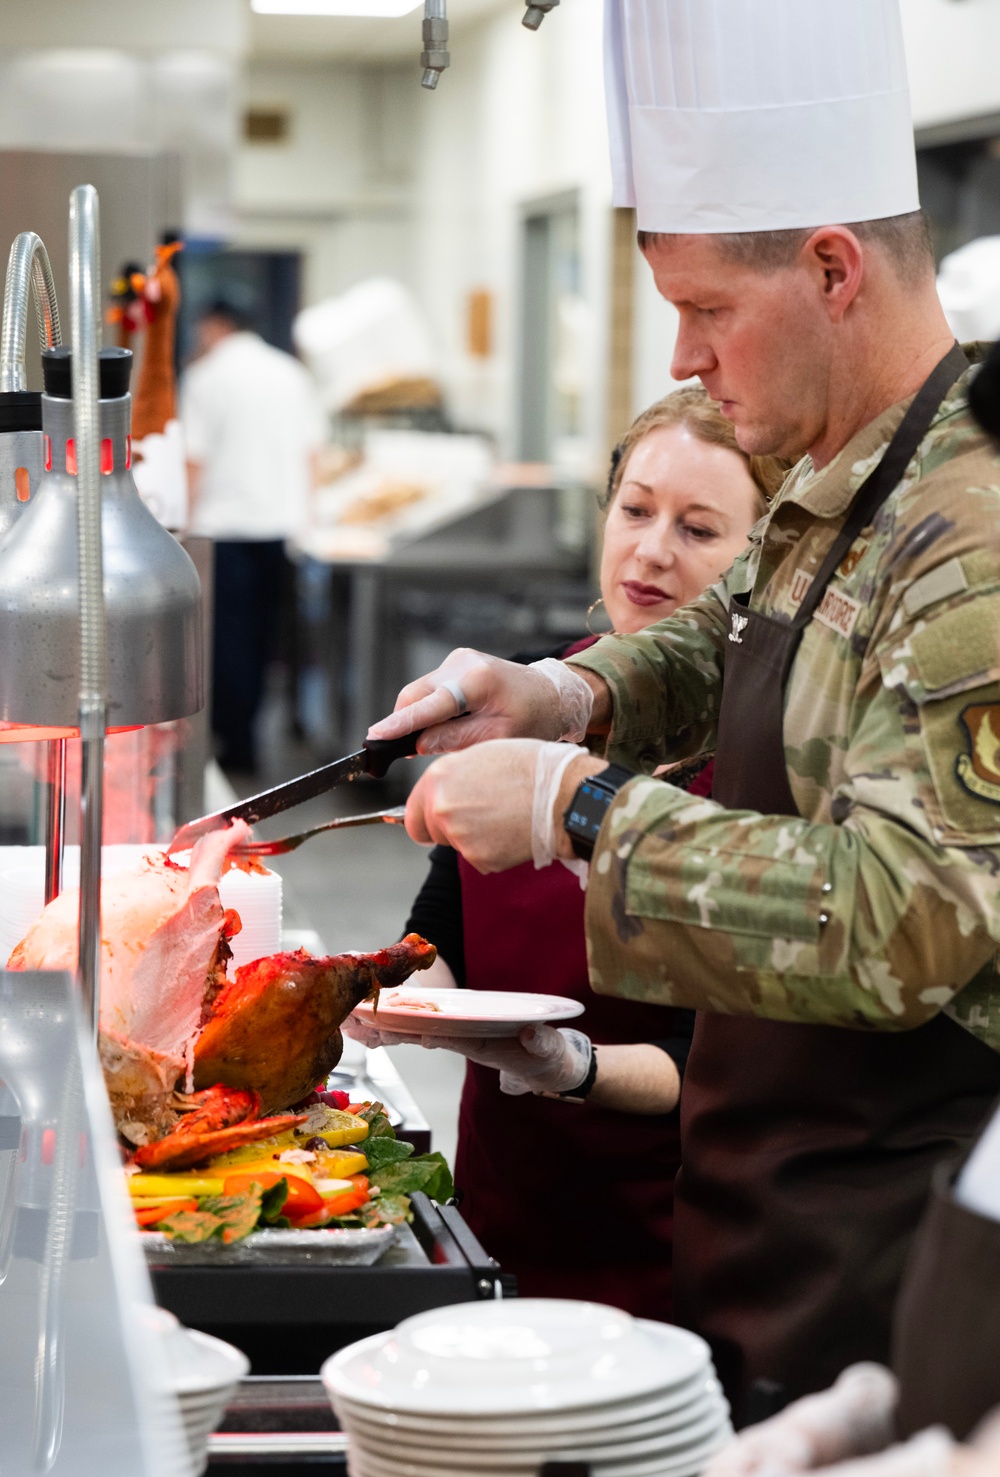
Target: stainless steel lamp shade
[{"x": 152, "y": 593}]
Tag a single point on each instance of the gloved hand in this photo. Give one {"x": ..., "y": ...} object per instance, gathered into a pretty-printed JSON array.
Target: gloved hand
[
  {"x": 373, "y": 1036},
  {"x": 541, "y": 1059},
  {"x": 485, "y": 802},
  {"x": 931, "y": 1453},
  {"x": 503, "y": 700},
  {"x": 851, "y": 1419}
]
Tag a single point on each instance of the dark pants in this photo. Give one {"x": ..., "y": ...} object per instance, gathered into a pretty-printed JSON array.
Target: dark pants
[{"x": 250, "y": 578}]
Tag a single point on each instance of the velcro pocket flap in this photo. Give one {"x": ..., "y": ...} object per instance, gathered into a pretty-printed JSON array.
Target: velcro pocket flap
[
  {"x": 957, "y": 647},
  {"x": 744, "y": 892}
]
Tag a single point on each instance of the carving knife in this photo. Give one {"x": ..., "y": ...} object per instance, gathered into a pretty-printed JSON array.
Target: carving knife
[{"x": 372, "y": 760}]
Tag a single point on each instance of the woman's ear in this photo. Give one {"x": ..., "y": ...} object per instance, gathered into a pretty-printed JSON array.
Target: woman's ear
[{"x": 834, "y": 257}]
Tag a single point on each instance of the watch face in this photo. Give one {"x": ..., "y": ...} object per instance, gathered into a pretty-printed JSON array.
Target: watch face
[{"x": 583, "y": 819}]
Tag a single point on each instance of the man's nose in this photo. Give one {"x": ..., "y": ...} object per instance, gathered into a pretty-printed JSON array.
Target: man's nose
[{"x": 692, "y": 354}]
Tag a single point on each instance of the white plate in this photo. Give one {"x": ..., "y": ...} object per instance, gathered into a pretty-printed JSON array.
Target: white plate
[
  {"x": 463, "y": 1012},
  {"x": 613, "y": 1446},
  {"x": 516, "y": 1357},
  {"x": 364, "y": 1464},
  {"x": 527, "y": 1433}
]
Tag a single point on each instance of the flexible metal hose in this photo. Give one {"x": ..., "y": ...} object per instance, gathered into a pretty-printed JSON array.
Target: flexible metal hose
[
  {"x": 29, "y": 273},
  {"x": 84, "y": 275}
]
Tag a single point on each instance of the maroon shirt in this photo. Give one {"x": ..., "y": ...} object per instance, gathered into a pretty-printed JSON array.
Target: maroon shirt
[{"x": 576, "y": 1200}]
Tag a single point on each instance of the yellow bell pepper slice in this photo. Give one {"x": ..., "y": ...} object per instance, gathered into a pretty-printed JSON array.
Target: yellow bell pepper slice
[
  {"x": 270, "y": 1166},
  {"x": 172, "y": 1186},
  {"x": 345, "y": 1128},
  {"x": 339, "y": 1163}
]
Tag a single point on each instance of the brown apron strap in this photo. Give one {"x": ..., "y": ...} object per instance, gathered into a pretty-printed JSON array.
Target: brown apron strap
[{"x": 886, "y": 477}]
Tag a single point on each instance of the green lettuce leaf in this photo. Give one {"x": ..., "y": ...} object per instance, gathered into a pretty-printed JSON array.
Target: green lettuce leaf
[
  {"x": 272, "y": 1203},
  {"x": 190, "y": 1225},
  {"x": 237, "y": 1214},
  {"x": 382, "y": 1151},
  {"x": 378, "y": 1124},
  {"x": 385, "y": 1210},
  {"x": 427, "y": 1172}
]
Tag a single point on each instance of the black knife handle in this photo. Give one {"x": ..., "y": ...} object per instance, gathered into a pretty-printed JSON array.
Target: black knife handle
[{"x": 382, "y": 752}]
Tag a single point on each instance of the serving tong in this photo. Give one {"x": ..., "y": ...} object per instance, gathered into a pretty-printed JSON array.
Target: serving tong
[{"x": 282, "y": 844}]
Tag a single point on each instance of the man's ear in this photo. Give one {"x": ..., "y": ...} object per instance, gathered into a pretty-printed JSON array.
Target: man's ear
[{"x": 834, "y": 257}]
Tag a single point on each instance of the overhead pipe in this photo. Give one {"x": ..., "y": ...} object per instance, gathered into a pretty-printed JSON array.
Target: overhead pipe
[
  {"x": 435, "y": 55},
  {"x": 84, "y": 275}
]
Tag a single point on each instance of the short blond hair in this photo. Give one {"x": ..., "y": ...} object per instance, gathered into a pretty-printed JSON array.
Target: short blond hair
[{"x": 690, "y": 407}]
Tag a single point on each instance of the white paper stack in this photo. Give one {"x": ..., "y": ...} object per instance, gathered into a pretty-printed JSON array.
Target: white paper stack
[
  {"x": 502, "y": 1387},
  {"x": 256, "y": 896}
]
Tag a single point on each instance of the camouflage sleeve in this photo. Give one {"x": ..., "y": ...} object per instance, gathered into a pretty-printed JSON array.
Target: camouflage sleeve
[
  {"x": 879, "y": 917},
  {"x": 666, "y": 682}
]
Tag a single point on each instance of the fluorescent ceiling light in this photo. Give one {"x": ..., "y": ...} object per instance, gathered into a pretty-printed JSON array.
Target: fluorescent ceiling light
[{"x": 335, "y": 7}]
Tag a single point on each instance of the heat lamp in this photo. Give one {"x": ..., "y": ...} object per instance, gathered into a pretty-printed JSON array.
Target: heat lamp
[{"x": 100, "y": 607}]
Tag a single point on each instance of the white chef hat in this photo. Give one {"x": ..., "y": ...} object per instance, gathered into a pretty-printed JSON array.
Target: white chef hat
[
  {"x": 758, "y": 115},
  {"x": 969, "y": 288}
]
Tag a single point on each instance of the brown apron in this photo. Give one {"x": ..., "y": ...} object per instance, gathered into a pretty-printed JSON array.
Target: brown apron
[
  {"x": 807, "y": 1151},
  {"x": 946, "y": 1338}
]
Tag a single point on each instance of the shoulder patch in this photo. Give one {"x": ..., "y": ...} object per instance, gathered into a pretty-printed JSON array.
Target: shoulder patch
[{"x": 979, "y": 768}]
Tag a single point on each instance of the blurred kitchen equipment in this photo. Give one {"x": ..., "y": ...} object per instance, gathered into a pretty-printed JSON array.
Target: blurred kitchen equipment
[
  {"x": 394, "y": 817},
  {"x": 21, "y": 462},
  {"x": 151, "y": 588},
  {"x": 83, "y": 1388},
  {"x": 84, "y": 636}
]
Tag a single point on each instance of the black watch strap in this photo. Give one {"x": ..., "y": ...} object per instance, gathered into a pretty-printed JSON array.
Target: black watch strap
[
  {"x": 586, "y": 811},
  {"x": 580, "y": 1094}
]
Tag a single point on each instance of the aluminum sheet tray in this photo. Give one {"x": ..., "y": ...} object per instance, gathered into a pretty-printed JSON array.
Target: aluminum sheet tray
[{"x": 274, "y": 1248}]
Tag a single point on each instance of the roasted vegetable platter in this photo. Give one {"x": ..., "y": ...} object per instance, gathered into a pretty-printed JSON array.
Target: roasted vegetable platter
[{"x": 332, "y": 1186}]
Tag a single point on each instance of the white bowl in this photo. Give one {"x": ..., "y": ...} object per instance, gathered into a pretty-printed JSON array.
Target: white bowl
[
  {"x": 202, "y": 1371},
  {"x": 527, "y": 1354}
]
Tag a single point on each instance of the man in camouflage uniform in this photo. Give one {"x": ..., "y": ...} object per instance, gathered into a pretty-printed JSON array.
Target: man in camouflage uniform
[
  {"x": 839, "y": 944},
  {"x": 881, "y": 905}
]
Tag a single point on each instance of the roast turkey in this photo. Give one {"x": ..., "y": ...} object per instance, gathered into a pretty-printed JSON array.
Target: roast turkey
[{"x": 170, "y": 1017}]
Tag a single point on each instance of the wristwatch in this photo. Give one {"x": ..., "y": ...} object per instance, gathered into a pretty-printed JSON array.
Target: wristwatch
[{"x": 586, "y": 811}]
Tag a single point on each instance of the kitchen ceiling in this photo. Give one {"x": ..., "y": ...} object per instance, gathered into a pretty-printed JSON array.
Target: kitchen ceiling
[{"x": 332, "y": 38}]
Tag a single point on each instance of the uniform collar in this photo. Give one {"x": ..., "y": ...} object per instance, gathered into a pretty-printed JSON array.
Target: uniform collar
[{"x": 828, "y": 493}]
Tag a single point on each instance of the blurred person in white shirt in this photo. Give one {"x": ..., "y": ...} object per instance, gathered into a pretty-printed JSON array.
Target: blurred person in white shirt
[{"x": 252, "y": 424}]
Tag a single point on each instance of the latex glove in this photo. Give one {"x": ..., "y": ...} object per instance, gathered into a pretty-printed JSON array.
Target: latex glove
[
  {"x": 541, "y": 1059},
  {"x": 931, "y": 1453},
  {"x": 853, "y": 1418},
  {"x": 373, "y": 1036},
  {"x": 503, "y": 700},
  {"x": 482, "y": 802}
]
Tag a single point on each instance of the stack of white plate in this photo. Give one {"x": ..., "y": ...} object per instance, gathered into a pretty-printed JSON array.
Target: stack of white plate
[
  {"x": 496, "y": 1389},
  {"x": 203, "y": 1373}
]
